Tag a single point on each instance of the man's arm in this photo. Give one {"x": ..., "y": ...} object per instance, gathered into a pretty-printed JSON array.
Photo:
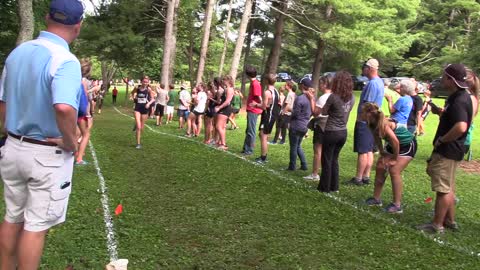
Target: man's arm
[
  {"x": 3, "y": 106},
  {"x": 66, "y": 117},
  {"x": 454, "y": 133}
]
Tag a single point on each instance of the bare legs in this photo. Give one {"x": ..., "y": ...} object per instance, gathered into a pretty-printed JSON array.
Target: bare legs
[
  {"x": 21, "y": 247},
  {"x": 395, "y": 172},
  {"x": 85, "y": 133},
  {"x": 140, "y": 122},
  {"x": 364, "y": 165},
  {"x": 220, "y": 127},
  {"x": 317, "y": 157}
]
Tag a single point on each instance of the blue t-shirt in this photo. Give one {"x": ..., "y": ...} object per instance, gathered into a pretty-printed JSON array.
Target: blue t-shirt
[
  {"x": 373, "y": 92},
  {"x": 403, "y": 107},
  {"x": 37, "y": 75},
  {"x": 301, "y": 113}
]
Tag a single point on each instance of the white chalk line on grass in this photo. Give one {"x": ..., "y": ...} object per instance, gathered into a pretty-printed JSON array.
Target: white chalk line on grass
[
  {"x": 111, "y": 241},
  {"x": 303, "y": 184}
]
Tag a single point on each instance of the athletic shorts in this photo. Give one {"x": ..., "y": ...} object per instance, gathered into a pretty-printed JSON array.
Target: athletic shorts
[
  {"x": 37, "y": 183},
  {"x": 267, "y": 123},
  {"x": 363, "y": 141},
  {"x": 198, "y": 113},
  {"x": 170, "y": 109},
  {"x": 82, "y": 118},
  {"x": 159, "y": 109},
  {"x": 442, "y": 172},
  {"x": 318, "y": 135},
  {"x": 227, "y": 111},
  {"x": 141, "y": 108},
  {"x": 235, "y": 110},
  {"x": 406, "y": 150},
  {"x": 183, "y": 113}
]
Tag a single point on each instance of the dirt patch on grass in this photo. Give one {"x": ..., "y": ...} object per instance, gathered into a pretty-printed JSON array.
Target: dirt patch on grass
[{"x": 471, "y": 166}]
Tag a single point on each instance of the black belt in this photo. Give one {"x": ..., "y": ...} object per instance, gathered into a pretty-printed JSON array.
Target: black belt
[{"x": 30, "y": 140}]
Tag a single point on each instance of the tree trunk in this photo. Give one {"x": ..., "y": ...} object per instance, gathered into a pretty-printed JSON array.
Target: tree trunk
[
  {"x": 317, "y": 65},
  {"x": 173, "y": 53},
  {"x": 206, "y": 36},
  {"x": 225, "y": 38},
  {"x": 237, "y": 54},
  {"x": 25, "y": 11},
  {"x": 247, "y": 50},
  {"x": 274, "y": 56},
  {"x": 108, "y": 71},
  {"x": 189, "y": 54},
  {"x": 168, "y": 42}
]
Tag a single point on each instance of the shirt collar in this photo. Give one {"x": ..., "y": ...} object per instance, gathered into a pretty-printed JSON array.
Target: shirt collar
[{"x": 54, "y": 38}]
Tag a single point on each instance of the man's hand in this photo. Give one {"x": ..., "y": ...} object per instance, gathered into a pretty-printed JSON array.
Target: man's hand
[{"x": 67, "y": 146}]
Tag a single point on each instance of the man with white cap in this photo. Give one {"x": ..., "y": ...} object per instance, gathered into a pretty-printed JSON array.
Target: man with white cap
[
  {"x": 363, "y": 142},
  {"x": 449, "y": 149},
  {"x": 39, "y": 98}
]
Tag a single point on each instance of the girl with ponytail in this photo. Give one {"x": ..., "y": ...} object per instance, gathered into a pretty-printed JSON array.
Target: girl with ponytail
[{"x": 400, "y": 148}]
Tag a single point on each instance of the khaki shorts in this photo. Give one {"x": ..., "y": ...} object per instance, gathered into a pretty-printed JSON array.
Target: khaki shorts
[
  {"x": 37, "y": 183},
  {"x": 442, "y": 172}
]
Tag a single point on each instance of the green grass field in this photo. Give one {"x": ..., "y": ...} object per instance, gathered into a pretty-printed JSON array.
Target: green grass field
[{"x": 188, "y": 206}]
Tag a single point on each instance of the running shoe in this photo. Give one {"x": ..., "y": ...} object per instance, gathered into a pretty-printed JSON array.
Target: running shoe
[
  {"x": 355, "y": 181},
  {"x": 452, "y": 226},
  {"x": 281, "y": 142},
  {"x": 366, "y": 180},
  {"x": 272, "y": 142},
  {"x": 259, "y": 160},
  {"x": 393, "y": 209},
  {"x": 312, "y": 177},
  {"x": 81, "y": 162},
  {"x": 139, "y": 146},
  {"x": 373, "y": 202},
  {"x": 431, "y": 228}
]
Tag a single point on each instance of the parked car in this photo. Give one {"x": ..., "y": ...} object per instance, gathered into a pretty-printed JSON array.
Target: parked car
[
  {"x": 283, "y": 76},
  {"x": 437, "y": 89},
  {"x": 395, "y": 80},
  {"x": 359, "y": 82}
]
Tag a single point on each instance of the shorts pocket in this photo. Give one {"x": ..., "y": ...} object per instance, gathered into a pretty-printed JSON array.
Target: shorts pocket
[
  {"x": 58, "y": 203},
  {"x": 50, "y": 160}
]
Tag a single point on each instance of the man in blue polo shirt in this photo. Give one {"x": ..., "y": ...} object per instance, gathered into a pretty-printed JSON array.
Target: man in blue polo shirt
[
  {"x": 39, "y": 97},
  {"x": 363, "y": 142}
]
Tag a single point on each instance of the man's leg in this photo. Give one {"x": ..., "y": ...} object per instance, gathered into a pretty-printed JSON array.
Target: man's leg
[
  {"x": 369, "y": 164},
  {"x": 362, "y": 163},
  {"x": 9, "y": 234},
  {"x": 30, "y": 249},
  {"x": 442, "y": 204}
]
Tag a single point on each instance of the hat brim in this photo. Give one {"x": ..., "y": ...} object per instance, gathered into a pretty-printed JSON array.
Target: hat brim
[{"x": 459, "y": 84}]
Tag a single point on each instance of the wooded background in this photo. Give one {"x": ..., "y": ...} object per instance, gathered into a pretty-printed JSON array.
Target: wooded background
[{"x": 195, "y": 40}]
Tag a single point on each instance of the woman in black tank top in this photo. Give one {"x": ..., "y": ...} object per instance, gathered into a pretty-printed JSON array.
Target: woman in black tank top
[
  {"x": 223, "y": 111},
  {"x": 143, "y": 99}
]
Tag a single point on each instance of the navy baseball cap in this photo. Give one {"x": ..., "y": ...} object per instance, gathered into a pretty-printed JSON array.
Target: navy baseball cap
[
  {"x": 306, "y": 82},
  {"x": 68, "y": 12}
]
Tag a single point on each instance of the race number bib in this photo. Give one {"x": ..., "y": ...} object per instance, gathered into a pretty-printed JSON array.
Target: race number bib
[{"x": 142, "y": 100}]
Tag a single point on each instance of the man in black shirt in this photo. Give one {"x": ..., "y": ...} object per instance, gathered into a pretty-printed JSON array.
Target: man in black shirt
[{"x": 455, "y": 120}]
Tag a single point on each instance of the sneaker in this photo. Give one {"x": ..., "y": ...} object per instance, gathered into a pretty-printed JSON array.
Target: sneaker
[
  {"x": 259, "y": 160},
  {"x": 281, "y": 142},
  {"x": 312, "y": 177},
  {"x": 373, "y": 202},
  {"x": 272, "y": 142},
  {"x": 81, "y": 162},
  {"x": 366, "y": 180},
  {"x": 139, "y": 146},
  {"x": 356, "y": 182},
  {"x": 304, "y": 168},
  {"x": 245, "y": 153},
  {"x": 393, "y": 209},
  {"x": 430, "y": 228},
  {"x": 451, "y": 226}
]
